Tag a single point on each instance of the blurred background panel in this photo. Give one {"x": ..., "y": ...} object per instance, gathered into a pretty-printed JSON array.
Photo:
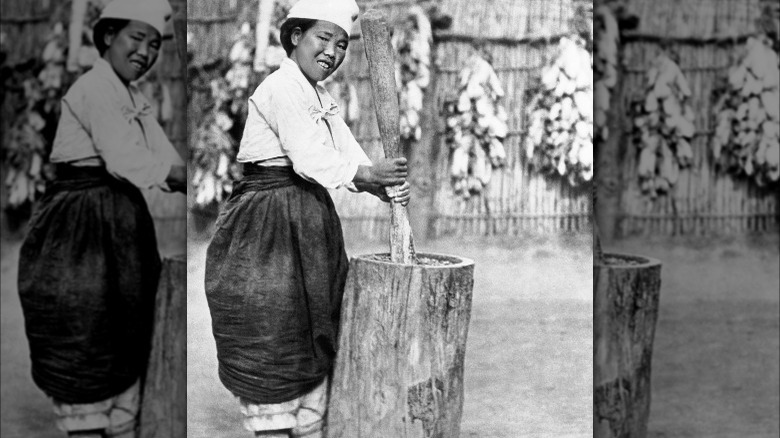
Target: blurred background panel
[{"x": 39, "y": 62}]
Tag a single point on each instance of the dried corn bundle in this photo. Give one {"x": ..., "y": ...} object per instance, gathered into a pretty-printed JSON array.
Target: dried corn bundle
[
  {"x": 747, "y": 133},
  {"x": 25, "y": 146},
  {"x": 25, "y": 150},
  {"x": 213, "y": 153},
  {"x": 476, "y": 127},
  {"x": 52, "y": 76},
  {"x": 607, "y": 39},
  {"x": 663, "y": 126},
  {"x": 412, "y": 39},
  {"x": 240, "y": 57},
  {"x": 560, "y": 127}
]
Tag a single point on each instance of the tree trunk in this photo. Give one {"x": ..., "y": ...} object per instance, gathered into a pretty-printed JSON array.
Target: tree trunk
[
  {"x": 422, "y": 162},
  {"x": 399, "y": 371},
  {"x": 163, "y": 405},
  {"x": 77, "y": 12},
  {"x": 626, "y": 294},
  {"x": 179, "y": 19},
  {"x": 608, "y": 177},
  {"x": 265, "y": 12}
]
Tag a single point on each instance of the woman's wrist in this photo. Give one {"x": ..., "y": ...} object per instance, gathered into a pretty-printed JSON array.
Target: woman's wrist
[
  {"x": 177, "y": 178},
  {"x": 363, "y": 177}
]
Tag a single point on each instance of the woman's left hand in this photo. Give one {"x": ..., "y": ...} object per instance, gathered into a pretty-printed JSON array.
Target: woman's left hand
[{"x": 398, "y": 194}]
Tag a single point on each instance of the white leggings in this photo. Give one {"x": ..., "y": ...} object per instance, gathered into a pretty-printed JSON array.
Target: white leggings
[{"x": 114, "y": 417}]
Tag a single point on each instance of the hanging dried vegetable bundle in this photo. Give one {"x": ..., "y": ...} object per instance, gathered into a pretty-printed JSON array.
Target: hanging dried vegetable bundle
[
  {"x": 663, "y": 126},
  {"x": 26, "y": 145},
  {"x": 412, "y": 39},
  {"x": 240, "y": 73},
  {"x": 747, "y": 132},
  {"x": 25, "y": 150},
  {"x": 213, "y": 153},
  {"x": 52, "y": 75},
  {"x": 476, "y": 127},
  {"x": 560, "y": 126}
]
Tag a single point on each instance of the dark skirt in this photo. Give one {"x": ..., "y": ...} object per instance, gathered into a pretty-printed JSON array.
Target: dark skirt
[
  {"x": 88, "y": 273},
  {"x": 275, "y": 274}
]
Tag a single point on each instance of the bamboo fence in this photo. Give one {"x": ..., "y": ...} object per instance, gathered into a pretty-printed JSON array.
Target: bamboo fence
[
  {"x": 706, "y": 34},
  {"x": 27, "y": 25}
]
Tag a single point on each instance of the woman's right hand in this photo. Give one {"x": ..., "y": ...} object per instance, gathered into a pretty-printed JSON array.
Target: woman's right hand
[
  {"x": 177, "y": 179},
  {"x": 384, "y": 172}
]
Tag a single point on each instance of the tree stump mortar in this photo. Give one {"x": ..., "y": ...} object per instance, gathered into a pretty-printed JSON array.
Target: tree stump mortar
[
  {"x": 402, "y": 343},
  {"x": 625, "y": 312},
  {"x": 164, "y": 399}
]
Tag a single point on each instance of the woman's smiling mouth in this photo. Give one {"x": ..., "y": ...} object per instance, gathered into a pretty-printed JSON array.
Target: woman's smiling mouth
[{"x": 138, "y": 65}]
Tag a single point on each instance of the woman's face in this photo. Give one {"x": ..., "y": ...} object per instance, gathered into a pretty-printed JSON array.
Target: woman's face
[
  {"x": 320, "y": 50},
  {"x": 133, "y": 50}
]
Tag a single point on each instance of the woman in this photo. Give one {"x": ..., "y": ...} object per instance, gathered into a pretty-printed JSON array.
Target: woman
[
  {"x": 89, "y": 265},
  {"x": 276, "y": 267}
]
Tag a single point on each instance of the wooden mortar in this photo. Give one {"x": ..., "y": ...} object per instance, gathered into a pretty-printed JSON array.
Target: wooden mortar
[
  {"x": 164, "y": 399},
  {"x": 399, "y": 371},
  {"x": 625, "y": 310}
]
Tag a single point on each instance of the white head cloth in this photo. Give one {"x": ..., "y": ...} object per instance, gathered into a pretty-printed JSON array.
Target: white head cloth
[
  {"x": 342, "y": 13},
  {"x": 153, "y": 12}
]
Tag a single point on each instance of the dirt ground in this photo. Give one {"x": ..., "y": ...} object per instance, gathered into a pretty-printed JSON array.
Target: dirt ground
[
  {"x": 716, "y": 359},
  {"x": 529, "y": 368},
  {"x": 529, "y": 353}
]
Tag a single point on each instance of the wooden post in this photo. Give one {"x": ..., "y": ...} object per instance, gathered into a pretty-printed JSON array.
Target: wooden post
[
  {"x": 164, "y": 399},
  {"x": 77, "y": 12},
  {"x": 608, "y": 178},
  {"x": 422, "y": 163},
  {"x": 626, "y": 294},
  {"x": 263, "y": 26},
  {"x": 381, "y": 71},
  {"x": 399, "y": 371},
  {"x": 179, "y": 19}
]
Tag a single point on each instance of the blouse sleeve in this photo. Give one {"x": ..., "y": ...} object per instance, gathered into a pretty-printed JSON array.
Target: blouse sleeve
[
  {"x": 115, "y": 139},
  {"x": 353, "y": 149},
  {"x": 306, "y": 144}
]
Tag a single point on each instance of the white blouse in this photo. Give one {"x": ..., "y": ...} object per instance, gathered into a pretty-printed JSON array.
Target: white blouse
[
  {"x": 292, "y": 123},
  {"x": 105, "y": 123}
]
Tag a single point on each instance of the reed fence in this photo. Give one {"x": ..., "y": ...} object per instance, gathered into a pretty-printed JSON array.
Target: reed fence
[{"x": 706, "y": 35}]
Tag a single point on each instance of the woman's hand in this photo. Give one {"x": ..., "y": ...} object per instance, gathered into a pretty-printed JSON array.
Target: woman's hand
[
  {"x": 177, "y": 179},
  {"x": 398, "y": 194},
  {"x": 385, "y": 172}
]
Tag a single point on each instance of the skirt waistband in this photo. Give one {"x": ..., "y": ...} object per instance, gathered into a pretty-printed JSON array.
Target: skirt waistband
[
  {"x": 82, "y": 177},
  {"x": 258, "y": 178},
  {"x": 67, "y": 172}
]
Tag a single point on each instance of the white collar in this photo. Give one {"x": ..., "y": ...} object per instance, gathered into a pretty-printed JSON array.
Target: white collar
[
  {"x": 104, "y": 69},
  {"x": 290, "y": 67}
]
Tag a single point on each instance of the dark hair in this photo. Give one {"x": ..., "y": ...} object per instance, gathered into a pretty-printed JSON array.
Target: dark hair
[
  {"x": 103, "y": 27},
  {"x": 285, "y": 33}
]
